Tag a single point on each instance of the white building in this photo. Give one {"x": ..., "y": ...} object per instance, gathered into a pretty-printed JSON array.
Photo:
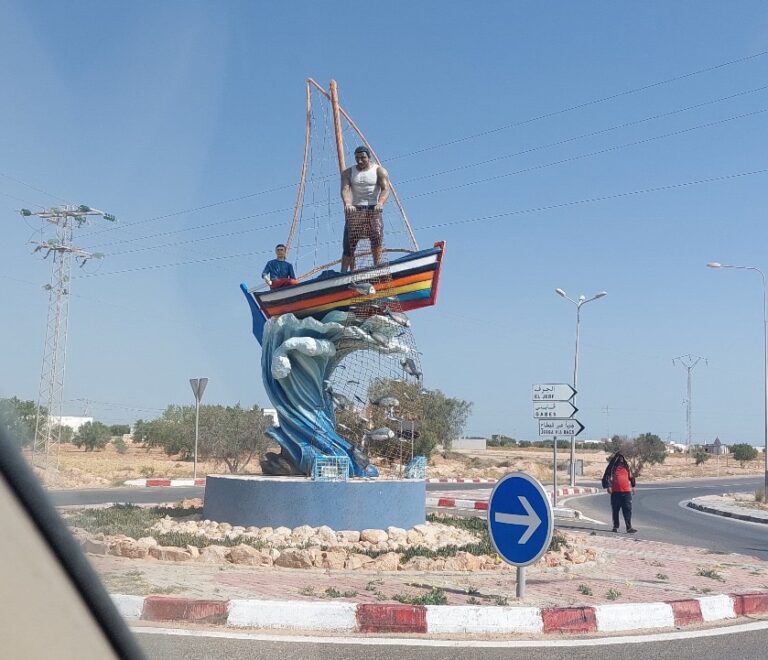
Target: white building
[
  {"x": 469, "y": 443},
  {"x": 71, "y": 421},
  {"x": 272, "y": 414}
]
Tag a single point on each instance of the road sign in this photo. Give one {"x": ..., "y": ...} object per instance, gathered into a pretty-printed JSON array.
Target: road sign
[
  {"x": 553, "y": 409},
  {"x": 552, "y": 392},
  {"x": 519, "y": 519},
  {"x": 198, "y": 387},
  {"x": 562, "y": 428}
]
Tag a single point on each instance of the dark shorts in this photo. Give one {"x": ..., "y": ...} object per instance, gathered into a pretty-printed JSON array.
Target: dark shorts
[{"x": 362, "y": 223}]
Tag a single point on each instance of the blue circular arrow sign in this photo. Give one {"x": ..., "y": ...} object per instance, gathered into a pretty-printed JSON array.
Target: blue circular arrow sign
[{"x": 520, "y": 519}]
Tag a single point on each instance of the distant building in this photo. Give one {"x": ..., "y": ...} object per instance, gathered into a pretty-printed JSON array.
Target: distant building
[
  {"x": 72, "y": 422},
  {"x": 469, "y": 443},
  {"x": 716, "y": 448},
  {"x": 272, "y": 414},
  {"x": 676, "y": 447}
]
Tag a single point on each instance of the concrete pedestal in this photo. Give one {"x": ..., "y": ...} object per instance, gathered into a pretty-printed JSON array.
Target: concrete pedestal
[{"x": 262, "y": 501}]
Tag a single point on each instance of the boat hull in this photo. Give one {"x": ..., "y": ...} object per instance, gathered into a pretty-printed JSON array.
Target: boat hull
[{"x": 407, "y": 283}]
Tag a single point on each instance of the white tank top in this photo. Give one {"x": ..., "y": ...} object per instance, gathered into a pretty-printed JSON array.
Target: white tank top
[{"x": 365, "y": 192}]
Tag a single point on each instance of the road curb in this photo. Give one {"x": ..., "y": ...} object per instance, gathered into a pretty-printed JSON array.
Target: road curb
[
  {"x": 449, "y": 619},
  {"x": 482, "y": 505},
  {"x": 164, "y": 483},
  {"x": 726, "y": 513}
]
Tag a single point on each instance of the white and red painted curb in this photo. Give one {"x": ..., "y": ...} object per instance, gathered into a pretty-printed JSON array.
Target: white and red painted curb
[
  {"x": 445, "y": 480},
  {"x": 467, "y": 619},
  {"x": 167, "y": 483},
  {"x": 482, "y": 505},
  {"x": 142, "y": 483}
]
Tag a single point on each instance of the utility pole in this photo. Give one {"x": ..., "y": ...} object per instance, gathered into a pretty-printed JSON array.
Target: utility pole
[
  {"x": 689, "y": 362},
  {"x": 63, "y": 253}
]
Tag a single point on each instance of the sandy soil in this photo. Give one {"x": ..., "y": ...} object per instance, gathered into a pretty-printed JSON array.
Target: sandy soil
[{"x": 81, "y": 469}]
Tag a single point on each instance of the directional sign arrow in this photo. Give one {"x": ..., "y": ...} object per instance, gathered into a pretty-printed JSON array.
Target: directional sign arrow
[
  {"x": 553, "y": 409},
  {"x": 552, "y": 392},
  {"x": 530, "y": 519},
  {"x": 560, "y": 427}
]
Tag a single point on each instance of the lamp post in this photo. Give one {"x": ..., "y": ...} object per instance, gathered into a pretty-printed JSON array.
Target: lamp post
[
  {"x": 715, "y": 264},
  {"x": 583, "y": 300}
]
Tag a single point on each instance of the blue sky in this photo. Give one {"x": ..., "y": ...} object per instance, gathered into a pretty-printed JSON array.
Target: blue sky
[{"x": 151, "y": 109}]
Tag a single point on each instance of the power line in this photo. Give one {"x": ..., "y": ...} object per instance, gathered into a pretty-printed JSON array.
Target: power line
[
  {"x": 578, "y": 106},
  {"x": 485, "y": 218},
  {"x": 31, "y": 187},
  {"x": 460, "y": 139},
  {"x": 426, "y": 193},
  {"x": 591, "y": 154},
  {"x": 592, "y": 200},
  {"x": 575, "y": 138}
]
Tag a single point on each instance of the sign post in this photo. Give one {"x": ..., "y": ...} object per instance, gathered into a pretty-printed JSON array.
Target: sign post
[
  {"x": 553, "y": 408},
  {"x": 520, "y": 522},
  {"x": 198, "y": 387}
]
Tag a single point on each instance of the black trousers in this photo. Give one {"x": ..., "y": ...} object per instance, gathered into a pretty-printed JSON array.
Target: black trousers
[{"x": 621, "y": 501}]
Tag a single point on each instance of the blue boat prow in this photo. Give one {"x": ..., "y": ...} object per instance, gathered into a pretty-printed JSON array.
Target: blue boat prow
[{"x": 258, "y": 317}]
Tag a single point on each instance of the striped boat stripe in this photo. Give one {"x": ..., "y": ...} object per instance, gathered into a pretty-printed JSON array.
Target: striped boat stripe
[
  {"x": 344, "y": 289},
  {"x": 346, "y": 295},
  {"x": 391, "y": 270},
  {"x": 416, "y": 286}
]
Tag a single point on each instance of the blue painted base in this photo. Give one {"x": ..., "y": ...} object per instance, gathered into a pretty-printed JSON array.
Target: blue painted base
[{"x": 294, "y": 501}]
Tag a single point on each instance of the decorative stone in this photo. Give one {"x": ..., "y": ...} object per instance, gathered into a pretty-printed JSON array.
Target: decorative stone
[
  {"x": 94, "y": 547},
  {"x": 293, "y": 558},
  {"x": 128, "y": 548},
  {"x": 348, "y": 536},
  {"x": 214, "y": 554},
  {"x": 355, "y": 561},
  {"x": 147, "y": 542},
  {"x": 387, "y": 562},
  {"x": 374, "y": 536},
  {"x": 397, "y": 534},
  {"x": 244, "y": 555},
  {"x": 418, "y": 564},
  {"x": 165, "y": 553},
  {"x": 194, "y": 551},
  {"x": 333, "y": 560}
]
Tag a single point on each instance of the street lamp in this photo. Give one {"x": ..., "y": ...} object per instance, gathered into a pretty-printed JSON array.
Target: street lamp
[
  {"x": 715, "y": 264},
  {"x": 583, "y": 300}
]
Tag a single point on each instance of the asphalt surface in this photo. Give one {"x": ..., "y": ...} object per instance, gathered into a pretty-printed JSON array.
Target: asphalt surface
[
  {"x": 744, "y": 645},
  {"x": 660, "y": 514}
]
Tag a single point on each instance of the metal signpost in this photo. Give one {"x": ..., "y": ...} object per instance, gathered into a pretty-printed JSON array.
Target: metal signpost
[
  {"x": 198, "y": 387},
  {"x": 520, "y": 522},
  {"x": 552, "y": 407}
]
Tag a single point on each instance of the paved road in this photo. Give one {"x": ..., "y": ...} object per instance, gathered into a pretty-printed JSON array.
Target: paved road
[
  {"x": 748, "y": 642},
  {"x": 659, "y": 516}
]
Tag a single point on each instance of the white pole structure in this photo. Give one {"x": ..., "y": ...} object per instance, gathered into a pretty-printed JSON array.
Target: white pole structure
[
  {"x": 716, "y": 264},
  {"x": 583, "y": 300},
  {"x": 689, "y": 362},
  {"x": 51, "y": 393},
  {"x": 198, "y": 387}
]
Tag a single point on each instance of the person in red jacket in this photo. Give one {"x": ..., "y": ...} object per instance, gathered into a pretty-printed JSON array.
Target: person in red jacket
[{"x": 620, "y": 482}]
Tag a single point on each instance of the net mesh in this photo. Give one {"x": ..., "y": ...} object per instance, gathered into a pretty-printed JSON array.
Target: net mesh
[{"x": 376, "y": 390}]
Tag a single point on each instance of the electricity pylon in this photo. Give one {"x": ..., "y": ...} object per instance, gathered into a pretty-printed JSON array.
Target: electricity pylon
[
  {"x": 689, "y": 362},
  {"x": 60, "y": 248}
]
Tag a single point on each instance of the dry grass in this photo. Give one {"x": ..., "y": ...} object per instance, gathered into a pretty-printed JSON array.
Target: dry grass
[
  {"x": 81, "y": 469},
  {"x": 497, "y": 461}
]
